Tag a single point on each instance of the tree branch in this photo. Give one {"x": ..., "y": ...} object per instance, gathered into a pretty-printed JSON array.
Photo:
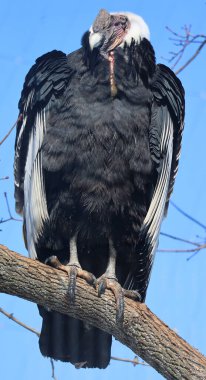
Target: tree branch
[{"x": 141, "y": 330}]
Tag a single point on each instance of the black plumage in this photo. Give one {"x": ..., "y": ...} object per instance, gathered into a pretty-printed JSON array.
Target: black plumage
[{"x": 94, "y": 169}]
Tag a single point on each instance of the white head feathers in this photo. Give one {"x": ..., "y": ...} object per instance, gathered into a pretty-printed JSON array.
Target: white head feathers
[{"x": 137, "y": 30}]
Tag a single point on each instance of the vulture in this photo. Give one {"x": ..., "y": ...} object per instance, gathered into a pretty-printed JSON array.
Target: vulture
[{"x": 96, "y": 155}]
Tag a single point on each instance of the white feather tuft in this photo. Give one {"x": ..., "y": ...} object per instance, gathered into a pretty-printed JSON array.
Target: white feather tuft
[
  {"x": 94, "y": 39},
  {"x": 138, "y": 28}
]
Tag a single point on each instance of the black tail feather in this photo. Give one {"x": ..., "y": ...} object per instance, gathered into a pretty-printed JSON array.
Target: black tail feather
[{"x": 70, "y": 340}]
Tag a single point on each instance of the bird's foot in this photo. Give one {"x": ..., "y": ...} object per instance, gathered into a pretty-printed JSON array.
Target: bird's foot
[
  {"x": 73, "y": 270},
  {"x": 105, "y": 282},
  {"x": 132, "y": 294}
]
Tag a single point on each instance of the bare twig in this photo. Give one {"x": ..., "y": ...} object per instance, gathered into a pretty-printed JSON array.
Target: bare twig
[
  {"x": 8, "y": 207},
  {"x": 31, "y": 329},
  {"x": 187, "y": 215},
  {"x": 135, "y": 361},
  {"x": 199, "y": 246},
  {"x": 203, "y": 246},
  {"x": 191, "y": 58},
  {"x": 183, "y": 41},
  {"x": 9, "y": 132},
  {"x": 53, "y": 369},
  {"x": 193, "y": 255},
  {"x": 11, "y": 316},
  {"x": 180, "y": 239},
  {"x": 9, "y": 212}
]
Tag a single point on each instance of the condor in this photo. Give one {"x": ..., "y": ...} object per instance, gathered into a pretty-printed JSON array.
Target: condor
[{"x": 97, "y": 150}]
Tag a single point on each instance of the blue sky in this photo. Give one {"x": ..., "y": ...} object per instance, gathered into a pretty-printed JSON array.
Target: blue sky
[{"x": 177, "y": 288}]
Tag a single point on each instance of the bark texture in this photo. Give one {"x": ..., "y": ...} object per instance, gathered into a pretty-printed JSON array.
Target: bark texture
[{"x": 141, "y": 330}]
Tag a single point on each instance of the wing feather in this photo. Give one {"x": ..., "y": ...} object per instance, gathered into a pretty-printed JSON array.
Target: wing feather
[
  {"x": 35, "y": 205},
  {"x": 168, "y": 89},
  {"x": 165, "y": 144},
  {"x": 151, "y": 226},
  {"x": 46, "y": 81}
]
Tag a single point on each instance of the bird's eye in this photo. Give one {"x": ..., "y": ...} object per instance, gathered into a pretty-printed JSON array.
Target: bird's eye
[{"x": 123, "y": 20}]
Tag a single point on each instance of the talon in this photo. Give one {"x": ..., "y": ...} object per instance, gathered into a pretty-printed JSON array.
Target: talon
[
  {"x": 73, "y": 271},
  {"x": 132, "y": 294},
  {"x": 72, "y": 282},
  {"x": 87, "y": 276},
  {"x": 53, "y": 262},
  {"x": 101, "y": 287},
  {"x": 112, "y": 284},
  {"x": 120, "y": 307}
]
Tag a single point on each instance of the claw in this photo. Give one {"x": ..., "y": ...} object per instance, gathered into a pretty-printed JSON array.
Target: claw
[
  {"x": 101, "y": 287},
  {"x": 53, "y": 262},
  {"x": 132, "y": 294},
  {"x": 73, "y": 271},
  {"x": 112, "y": 284}
]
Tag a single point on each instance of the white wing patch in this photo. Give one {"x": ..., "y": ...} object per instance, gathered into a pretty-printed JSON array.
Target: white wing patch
[
  {"x": 155, "y": 213},
  {"x": 151, "y": 226},
  {"x": 35, "y": 205},
  {"x": 153, "y": 219},
  {"x": 149, "y": 233}
]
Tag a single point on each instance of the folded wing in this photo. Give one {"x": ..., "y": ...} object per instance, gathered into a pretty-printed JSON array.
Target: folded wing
[
  {"x": 45, "y": 82},
  {"x": 165, "y": 134}
]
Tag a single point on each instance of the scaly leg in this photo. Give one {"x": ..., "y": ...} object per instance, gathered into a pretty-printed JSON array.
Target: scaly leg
[
  {"x": 109, "y": 281},
  {"x": 73, "y": 268}
]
